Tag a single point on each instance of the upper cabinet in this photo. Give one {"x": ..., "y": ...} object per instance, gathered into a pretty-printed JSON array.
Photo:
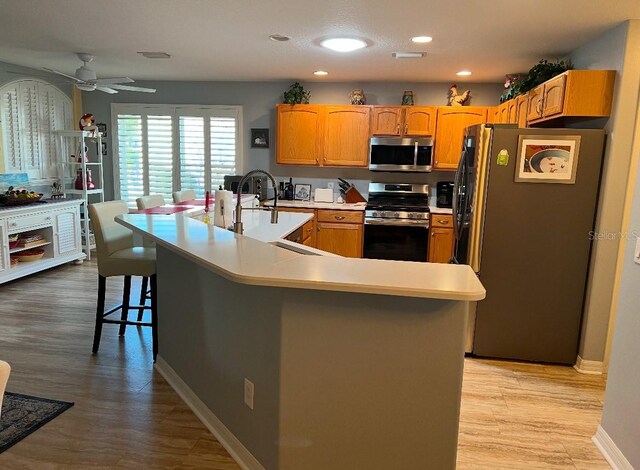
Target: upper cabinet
[
  {"x": 323, "y": 135},
  {"x": 521, "y": 110},
  {"x": 449, "y": 133},
  {"x": 410, "y": 121},
  {"x": 298, "y": 135},
  {"x": 574, "y": 93}
]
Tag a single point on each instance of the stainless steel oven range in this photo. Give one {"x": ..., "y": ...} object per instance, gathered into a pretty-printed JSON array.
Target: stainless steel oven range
[{"x": 396, "y": 224}]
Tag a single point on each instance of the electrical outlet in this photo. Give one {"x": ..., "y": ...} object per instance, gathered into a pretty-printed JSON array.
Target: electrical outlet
[
  {"x": 248, "y": 393},
  {"x": 330, "y": 185},
  {"x": 636, "y": 255}
]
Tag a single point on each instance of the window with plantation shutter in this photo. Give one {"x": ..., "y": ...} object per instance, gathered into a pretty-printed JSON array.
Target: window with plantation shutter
[{"x": 166, "y": 148}]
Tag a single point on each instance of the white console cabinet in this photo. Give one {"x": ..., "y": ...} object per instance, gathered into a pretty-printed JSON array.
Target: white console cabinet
[{"x": 59, "y": 224}]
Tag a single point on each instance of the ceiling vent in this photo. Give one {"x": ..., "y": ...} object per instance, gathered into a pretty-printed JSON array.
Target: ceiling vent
[
  {"x": 155, "y": 55},
  {"x": 408, "y": 55}
]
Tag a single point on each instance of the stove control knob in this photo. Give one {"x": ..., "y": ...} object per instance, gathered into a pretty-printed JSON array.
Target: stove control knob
[
  {"x": 395, "y": 214},
  {"x": 412, "y": 215},
  {"x": 376, "y": 214}
]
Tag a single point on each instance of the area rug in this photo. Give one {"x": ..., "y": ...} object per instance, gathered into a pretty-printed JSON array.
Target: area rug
[{"x": 23, "y": 414}]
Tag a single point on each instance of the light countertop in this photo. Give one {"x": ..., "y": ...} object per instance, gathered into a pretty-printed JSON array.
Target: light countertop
[
  {"x": 440, "y": 210},
  {"x": 247, "y": 259},
  {"x": 359, "y": 206}
]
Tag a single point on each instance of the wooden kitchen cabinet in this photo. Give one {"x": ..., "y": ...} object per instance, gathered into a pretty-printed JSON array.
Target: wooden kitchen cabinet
[
  {"x": 521, "y": 110},
  {"x": 441, "y": 238},
  {"x": 450, "y": 130},
  {"x": 308, "y": 229},
  {"x": 503, "y": 113},
  {"x": 512, "y": 111},
  {"x": 410, "y": 121},
  {"x": 574, "y": 94},
  {"x": 322, "y": 135},
  {"x": 298, "y": 134},
  {"x": 340, "y": 232},
  {"x": 346, "y": 136}
]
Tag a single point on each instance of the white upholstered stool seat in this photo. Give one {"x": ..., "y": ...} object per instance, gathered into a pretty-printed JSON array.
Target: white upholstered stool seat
[
  {"x": 118, "y": 256},
  {"x": 185, "y": 195}
]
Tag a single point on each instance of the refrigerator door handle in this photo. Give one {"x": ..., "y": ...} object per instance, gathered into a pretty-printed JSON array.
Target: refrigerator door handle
[{"x": 458, "y": 185}]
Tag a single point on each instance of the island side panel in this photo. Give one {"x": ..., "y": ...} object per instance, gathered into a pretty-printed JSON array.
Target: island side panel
[
  {"x": 214, "y": 333},
  {"x": 370, "y": 381}
]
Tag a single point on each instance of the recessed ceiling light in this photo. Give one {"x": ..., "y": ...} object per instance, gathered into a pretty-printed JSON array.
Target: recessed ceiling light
[
  {"x": 343, "y": 44},
  {"x": 155, "y": 55},
  {"x": 321, "y": 72},
  {"x": 422, "y": 39},
  {"x": 407, "y": 55},
  {"x": 279, "y": 37},
  {"x": 463, "y": 73}
]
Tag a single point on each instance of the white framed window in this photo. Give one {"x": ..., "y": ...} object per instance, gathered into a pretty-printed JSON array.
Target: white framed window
[
  {"x": 159, "y": 149},
  {"x": 31, "y": 111}
]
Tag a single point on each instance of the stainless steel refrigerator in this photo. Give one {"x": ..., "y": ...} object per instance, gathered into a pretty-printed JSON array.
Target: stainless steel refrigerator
[{"x": 526, "y": 230}]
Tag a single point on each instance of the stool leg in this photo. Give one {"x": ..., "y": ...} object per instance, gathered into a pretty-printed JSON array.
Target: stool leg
[
  {"x": 143, "y": 296},
  {"x": 126, "y": 296},
  {"x": 102, "y": 290},
  {"x": 154, "y": 315}
]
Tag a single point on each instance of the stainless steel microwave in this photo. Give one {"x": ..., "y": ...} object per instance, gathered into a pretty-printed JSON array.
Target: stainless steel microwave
[
  {"x": 400, "y": 154},
  {"x": 254, "y": 185}
]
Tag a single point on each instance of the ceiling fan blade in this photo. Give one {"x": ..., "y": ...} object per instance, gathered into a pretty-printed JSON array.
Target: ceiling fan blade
[
  {"x": 112, "y": 81},
  {"x": 111, "y": 91},
  {"x": 64, "y": 75},
  {"x": 134, "y": 88}
]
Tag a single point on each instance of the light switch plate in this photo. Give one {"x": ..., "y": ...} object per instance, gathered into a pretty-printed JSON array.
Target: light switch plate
[{"x": 636, "y": 254}]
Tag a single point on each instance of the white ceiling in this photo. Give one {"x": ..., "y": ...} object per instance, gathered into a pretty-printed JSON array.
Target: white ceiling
[{"x": 229, "y": 40}]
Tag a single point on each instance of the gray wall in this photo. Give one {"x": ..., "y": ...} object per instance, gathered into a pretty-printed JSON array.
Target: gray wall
[
  {"x": 258, "y": 100},
  {"x": 611, "y": 51},
  {"x": 26, "y": 72}
]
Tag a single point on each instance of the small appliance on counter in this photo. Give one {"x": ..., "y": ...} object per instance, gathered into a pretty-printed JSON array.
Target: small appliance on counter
[
  {"x": 323, "y": 195},
  {"x": 444, "y": 194},
  {"x": 255, "y": 185}
]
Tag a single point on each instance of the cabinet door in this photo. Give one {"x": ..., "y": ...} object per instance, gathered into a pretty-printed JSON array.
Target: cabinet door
[
  {"x": 309, "y": 228},
  {"x": 11, "y": 122},
  {"x": 298, "y": 134},
  {"x": 534, "y": 107},
  {"x": 387, "y": 120},
  {"x": 68, "y": 231},
  {"x": 521, "y": 110},
  {"x": 554, "y": 96},
  {"x": 493, "y": 115},
  {"x": 341, "y": 239},
  {"x": 512, "y": 111},
  {"x": 452, "y": 122},
  {"x": 441, "y": 242},
  {"x": 503, "y": 113},
  {"x": 420, "y": 120},
  {"x": 346, "y": 136},
  {"x": 4, "y": 248},
  {"x": 30, "y": 127}
]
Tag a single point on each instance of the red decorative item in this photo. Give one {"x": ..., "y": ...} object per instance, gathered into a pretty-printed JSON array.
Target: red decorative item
[{"x": 79, "y": 183}]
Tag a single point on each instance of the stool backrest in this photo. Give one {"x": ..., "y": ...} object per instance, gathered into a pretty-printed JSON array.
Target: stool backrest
[
  {"x": 4, "y": 377},
  {"x": 147, "y": 202},
  {"x": 186, "y": 195},
  {"x": 110, "y": 235}
]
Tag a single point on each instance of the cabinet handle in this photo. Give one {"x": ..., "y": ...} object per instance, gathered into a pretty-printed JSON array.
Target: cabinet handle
[
  {"x": 317, "y": 159},
  {"x": 398, "y": 129},
  {"x": 433, "y": 235},
  {"x": 339, "y": 217},
  {"x": 406, "y": 128},
  {"x": 440, "y": 221}
]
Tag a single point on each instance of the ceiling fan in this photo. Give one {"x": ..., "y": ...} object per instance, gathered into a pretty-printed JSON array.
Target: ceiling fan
[{"x": 86, "y": 80}]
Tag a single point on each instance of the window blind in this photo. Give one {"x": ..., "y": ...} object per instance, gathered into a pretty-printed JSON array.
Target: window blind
[{"x": 163, "y": 148}]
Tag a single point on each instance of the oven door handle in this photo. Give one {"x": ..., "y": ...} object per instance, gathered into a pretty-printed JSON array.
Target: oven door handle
[{"x": 396, "y": 222}]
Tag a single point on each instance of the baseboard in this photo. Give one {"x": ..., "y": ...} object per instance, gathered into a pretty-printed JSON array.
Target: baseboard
[
  {"x": 238, "y": 451},
  {"x": 608, "y": 448},
  {"x": 589, "y": 367}
]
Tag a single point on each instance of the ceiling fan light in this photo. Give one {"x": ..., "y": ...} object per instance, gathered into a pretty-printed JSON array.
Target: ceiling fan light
[{"x": 86, "y": 86}]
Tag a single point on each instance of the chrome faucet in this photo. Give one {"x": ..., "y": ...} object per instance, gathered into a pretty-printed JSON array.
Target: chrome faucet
[{"x": 237, "y": 224}]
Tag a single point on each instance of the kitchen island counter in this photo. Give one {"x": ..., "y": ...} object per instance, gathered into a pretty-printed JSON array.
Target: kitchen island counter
[{"x": 310, "y": 362}]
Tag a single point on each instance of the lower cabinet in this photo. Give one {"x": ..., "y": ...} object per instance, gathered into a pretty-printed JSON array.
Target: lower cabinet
[
  {"x": 308, "y": 232},
  {"x": 340, "y": 238},
  {"x": 441, "y": 238}
]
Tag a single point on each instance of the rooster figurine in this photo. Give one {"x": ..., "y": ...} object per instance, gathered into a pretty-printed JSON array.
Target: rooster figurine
[{"x": 455, "y": 99}]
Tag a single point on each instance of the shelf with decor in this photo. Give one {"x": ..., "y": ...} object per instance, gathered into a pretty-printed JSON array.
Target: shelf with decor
[{"x": 80, "y": 177}]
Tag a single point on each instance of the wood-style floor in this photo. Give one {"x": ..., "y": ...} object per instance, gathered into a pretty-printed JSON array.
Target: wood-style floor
[{"x": 514, "y": 416}]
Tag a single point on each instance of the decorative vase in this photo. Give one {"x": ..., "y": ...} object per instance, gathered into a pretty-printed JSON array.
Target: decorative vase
[
  {"x": 407, "y": 98},
  {"x": 357, "y": 97},
  {"x": 79, "y": 184}
]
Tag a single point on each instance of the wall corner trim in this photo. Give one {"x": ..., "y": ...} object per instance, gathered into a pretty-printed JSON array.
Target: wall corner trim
[
  {"x": 238, "y": 451},
  {"x": 589, "y": 367},
  {"x": 608, "y": 448}
]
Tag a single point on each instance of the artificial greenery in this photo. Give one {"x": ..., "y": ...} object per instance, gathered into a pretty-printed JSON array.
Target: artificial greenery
[
  {"x": 296, "y": 95},
  {"x": 539, "y": 73}
]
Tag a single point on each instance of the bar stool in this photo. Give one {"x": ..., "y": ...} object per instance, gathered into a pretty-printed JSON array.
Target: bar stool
[
  {"x": 150, "y": 201},
  {"x": 117, "y": 256},
  {"x": 186, "y": 195},
  {"x": 5, "y": 370}
]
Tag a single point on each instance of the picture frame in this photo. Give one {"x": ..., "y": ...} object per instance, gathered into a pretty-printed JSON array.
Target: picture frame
[
  {"x": 547, "y": 159},
  {"x": 260, "y": 138},
  {"x": 302, "y": 192},
  {"x": 102, "y": 128}
]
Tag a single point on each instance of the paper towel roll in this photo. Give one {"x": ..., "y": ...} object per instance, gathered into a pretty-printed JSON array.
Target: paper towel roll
[{"x": 223, "y": 208}]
